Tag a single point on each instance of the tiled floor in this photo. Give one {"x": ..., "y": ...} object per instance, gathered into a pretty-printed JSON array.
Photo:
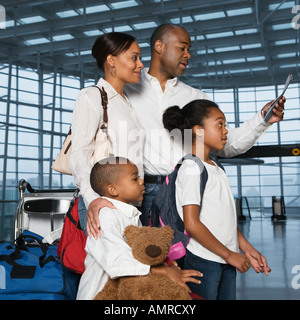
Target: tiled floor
[{"x": 279, "y": 242}]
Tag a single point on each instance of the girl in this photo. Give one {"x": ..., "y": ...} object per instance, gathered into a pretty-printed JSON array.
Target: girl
[
  {"x": 211, "y": 222},
  {"x": 118, "y": 55}
]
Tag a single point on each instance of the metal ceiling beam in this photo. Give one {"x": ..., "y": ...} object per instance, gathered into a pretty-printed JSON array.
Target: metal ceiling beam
[
  {"x": 103, "y": 19},
  {"x": 139, "y": 13},
  {"x": 242, "y": 80},
  {"x": 54, "y": 53}
]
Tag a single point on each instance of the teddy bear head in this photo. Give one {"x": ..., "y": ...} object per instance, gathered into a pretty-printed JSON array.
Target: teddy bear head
[{"x": 149, "y": 245}]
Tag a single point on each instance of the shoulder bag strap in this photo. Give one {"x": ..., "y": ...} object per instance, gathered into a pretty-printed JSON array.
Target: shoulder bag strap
[{"x": 104, "y": 100}]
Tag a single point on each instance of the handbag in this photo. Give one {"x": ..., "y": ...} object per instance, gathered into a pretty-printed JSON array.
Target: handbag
[
  {"x": 30, "y": 269},
  {"x": 61, "y": 163},
  {"x": 71, "y": 246},
  {"x": 102, "y": 144}
]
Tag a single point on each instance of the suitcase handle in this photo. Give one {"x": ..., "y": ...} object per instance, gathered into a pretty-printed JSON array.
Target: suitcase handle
[
  {"x": 23, "y": 185},
  {"x": 20, "y": 244}
]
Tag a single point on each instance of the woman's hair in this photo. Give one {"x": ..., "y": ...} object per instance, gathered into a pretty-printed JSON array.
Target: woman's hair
[
  {"x": 110, "y": 43},
  {"x": 192, "y": 114}
]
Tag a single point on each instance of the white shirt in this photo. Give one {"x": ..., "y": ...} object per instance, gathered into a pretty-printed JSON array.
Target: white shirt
[
  {"x": 126, "y": 135},
  {"x": 217, "y": 212},
  {"x": 109, "y": 255},
  {"x": 149, "y": 102}
]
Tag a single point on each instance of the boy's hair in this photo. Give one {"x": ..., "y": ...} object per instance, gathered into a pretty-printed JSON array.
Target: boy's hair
[{"x": 106, "y": 172}]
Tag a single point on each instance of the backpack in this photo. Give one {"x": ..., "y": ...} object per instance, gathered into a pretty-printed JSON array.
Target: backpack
[
  {"x": 71, "y": 246},
  {"x": 164, "y": 211}
]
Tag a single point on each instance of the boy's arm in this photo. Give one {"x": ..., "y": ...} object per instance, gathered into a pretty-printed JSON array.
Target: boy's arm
[
  {"x": 257, "y": 260},
  {"x": 177, "y": 275},
  {"x": 198, "y": 231},
  {"x": 111, "y": 251}
]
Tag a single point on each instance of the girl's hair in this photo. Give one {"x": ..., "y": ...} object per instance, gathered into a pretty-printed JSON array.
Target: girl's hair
[
  {"x": 192, "y": 114},
  {"x": 110, "y": 43}
]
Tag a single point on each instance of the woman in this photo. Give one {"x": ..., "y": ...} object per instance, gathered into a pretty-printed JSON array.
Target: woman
[{"x": 118, "y": 55}]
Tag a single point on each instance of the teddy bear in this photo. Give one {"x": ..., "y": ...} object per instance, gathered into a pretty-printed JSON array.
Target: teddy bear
[{"x": 150, "y": 245}]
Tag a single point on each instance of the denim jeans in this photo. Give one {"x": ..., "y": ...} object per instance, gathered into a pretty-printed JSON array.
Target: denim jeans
[
  {"x": 82, "y": 212},
  {"x": 151, "y": 190},
  {"x": 218, "y": 281}
]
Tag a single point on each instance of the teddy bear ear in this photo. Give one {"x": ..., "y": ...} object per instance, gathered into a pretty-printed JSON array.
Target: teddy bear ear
[
  {"x": 130, "y": 233},
  {"x": 168, "y": 232}
]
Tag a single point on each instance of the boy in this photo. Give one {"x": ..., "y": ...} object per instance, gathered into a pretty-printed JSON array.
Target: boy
[{"x": 117, "y": 179}]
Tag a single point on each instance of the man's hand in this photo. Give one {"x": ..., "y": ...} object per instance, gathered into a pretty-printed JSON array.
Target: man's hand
[
  {"x": 278, "y": 111},
  {"x": 93, "y": 223}
]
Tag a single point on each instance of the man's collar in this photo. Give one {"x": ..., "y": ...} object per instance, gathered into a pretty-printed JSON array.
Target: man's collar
[{"x": 149, "y": 80}]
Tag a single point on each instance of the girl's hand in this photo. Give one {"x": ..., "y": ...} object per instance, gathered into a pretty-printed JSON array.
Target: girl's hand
[
  {"x": 238, "y": 260},
  {"x": 258, "y": 261}
]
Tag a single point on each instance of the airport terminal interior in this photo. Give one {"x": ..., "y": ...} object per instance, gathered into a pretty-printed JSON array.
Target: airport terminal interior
[{"x": 241, "y": 55}]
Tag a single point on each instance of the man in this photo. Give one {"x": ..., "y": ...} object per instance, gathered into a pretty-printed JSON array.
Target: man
[{"x": 160, "y": 88}]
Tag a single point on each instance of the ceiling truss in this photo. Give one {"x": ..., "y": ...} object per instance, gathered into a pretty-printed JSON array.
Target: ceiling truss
[{"x": 235, "y": 43}]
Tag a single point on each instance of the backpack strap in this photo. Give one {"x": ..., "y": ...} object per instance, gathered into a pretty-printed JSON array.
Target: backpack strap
[
  {"x": 215, "y": 159},
  {"x": 203, "y": 172}
]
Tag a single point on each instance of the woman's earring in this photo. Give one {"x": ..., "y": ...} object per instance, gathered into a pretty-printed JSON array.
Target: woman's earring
[{"x": 112, "y": 71}]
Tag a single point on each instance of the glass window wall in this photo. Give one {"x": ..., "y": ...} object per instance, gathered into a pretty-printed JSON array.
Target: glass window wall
[{"x": 36, "y": 111}]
